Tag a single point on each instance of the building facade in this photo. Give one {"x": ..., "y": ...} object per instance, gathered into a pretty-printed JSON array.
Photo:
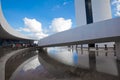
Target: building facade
[{"x": 91, "y": 11}]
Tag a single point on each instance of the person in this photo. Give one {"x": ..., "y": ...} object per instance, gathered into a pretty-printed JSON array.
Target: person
[
  {"x": 13, "y": 45},
  {"x": 96, "y": 47},
  {"x": 106, "y": 47},
  {"x": 23, "y": 45}
]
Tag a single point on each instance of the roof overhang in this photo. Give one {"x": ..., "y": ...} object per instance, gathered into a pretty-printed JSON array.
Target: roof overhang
[{"x": 7, "y": 32}]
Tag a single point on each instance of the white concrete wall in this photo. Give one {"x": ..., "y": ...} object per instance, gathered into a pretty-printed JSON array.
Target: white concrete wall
[
  {"x": 80, "y": 12},
  {"x": 101, "y": 10},
  {"x": 104, "y": 31}
]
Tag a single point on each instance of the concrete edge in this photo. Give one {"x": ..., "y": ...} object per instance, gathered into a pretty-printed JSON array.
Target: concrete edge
[{"x": 4, "y": 60}]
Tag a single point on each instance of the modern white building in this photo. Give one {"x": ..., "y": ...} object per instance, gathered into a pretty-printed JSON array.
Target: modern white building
[
  {"x": 95, "y": 26},
  {"x": 98, "y": 10},
  {"x": 91, "y": 11}
]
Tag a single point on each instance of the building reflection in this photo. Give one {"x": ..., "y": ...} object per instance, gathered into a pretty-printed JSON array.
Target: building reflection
[{"x": 95, "y": 60}]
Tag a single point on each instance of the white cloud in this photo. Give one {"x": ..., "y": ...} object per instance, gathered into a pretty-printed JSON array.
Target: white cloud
[
  {"x": 117, "y": 7},
  {"x": 19, "y": 30},
  {"x": 33, "y": 25},
  {"x": 58, "y": 6},
  {"x": 60, "y": 24},
  {"x": 115, "y": 1},
  {"x": 34, "y": 28},
  {"x": 41, "y": 35},
  {"x": 26, "y": 29},
  {"x": 65, "y": 3}
]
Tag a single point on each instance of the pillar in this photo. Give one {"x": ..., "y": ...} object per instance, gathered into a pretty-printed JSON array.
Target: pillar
[{"x": 117, "y": 50}]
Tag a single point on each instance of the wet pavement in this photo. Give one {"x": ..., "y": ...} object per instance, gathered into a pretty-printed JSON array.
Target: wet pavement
[
  {"x": 101, "y": 63},
  {"x": 98, "y": 60},
  {"x": 31, "y": 70}
]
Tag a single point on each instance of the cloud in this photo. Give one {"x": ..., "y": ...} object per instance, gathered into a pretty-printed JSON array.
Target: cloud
[
  {"x": 60, "y": 24},
  {"x": 26, "y": 29},
  {"x": 116, "y": 3},
  {"x": 33, "y": 28},
  {"x": 61, "y": 5},
  {"x": 56, "y": 7},
  {"x": 65, "y": 3},
  {"x": 19, "y": 30},
  {"x": 33, "y": 25},
  {"x": 41, "y": 35}
]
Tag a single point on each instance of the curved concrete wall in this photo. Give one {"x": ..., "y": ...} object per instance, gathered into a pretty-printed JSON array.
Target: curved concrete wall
[
  {"x": 17, "y": 59},
  {"x": 7, "y": 32},
  {"x": 11, "y": 61}
]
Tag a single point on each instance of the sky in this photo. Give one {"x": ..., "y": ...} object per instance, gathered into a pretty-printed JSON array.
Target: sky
[
  {"x": 115, "y": 7},
  {"x": 41, "y": 18}
]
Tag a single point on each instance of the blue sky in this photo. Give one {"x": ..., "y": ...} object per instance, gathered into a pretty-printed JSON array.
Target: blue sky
[
  {"x": 115, "y": 6},
  {"x": 43, "y": 11},
  {"x": 40, "y": 18}
]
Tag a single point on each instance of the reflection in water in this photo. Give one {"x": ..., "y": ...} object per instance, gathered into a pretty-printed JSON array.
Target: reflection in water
[
  {"x": 100, "y": 61},
  {"x": 106, "y": 64},
  {"x": 83, "y": 60},
  {"x": 32, "y": 65},
  {"x": 31, "y": 70},
  {"x": 75, "y": 57},
  {"x": 62, "y": 55}
]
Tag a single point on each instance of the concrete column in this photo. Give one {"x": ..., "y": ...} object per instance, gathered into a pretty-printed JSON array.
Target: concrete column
[
  {"x": 117, "y": 50},
  {"x": 80, "y": 12},
  {"x": 101, "y": 10},
  {"x": 81, "y": 46},
  {"x": 92, "y": 60},
  {"x": 76, "y": 47}
]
